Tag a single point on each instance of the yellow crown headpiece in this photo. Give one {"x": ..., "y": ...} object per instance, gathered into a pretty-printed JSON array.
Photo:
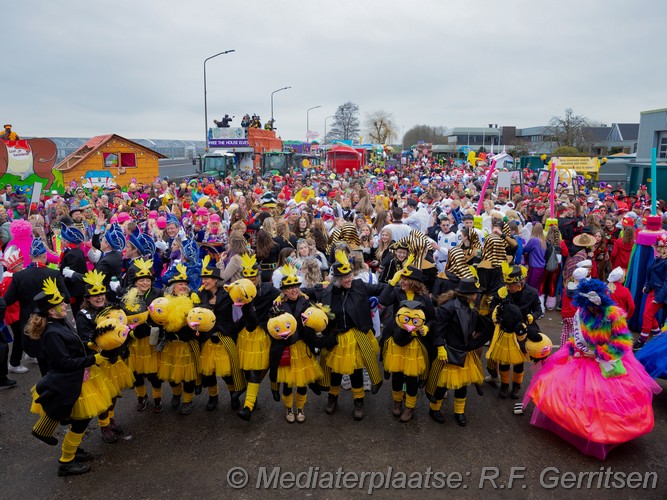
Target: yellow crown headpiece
[
  {"x": 250, "y": 267},
  {"x": 289, "y": 277},
  {"x": 342, "y": 266},
  {"x": 51, "y": 289},
  {"x": 181, "y": 274},
  {"x": 205, "y": 271},
  {"x": 145, "y": 268},
  {"x": 95, "y": 282}
]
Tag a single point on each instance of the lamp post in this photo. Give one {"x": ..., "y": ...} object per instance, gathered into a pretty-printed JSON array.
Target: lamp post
[
  {"x": 205, "y": 104},
  {"x": 325, "y": 126},
  {"x": 284, "y": 88},
  {"x": 308, "y": 120}
]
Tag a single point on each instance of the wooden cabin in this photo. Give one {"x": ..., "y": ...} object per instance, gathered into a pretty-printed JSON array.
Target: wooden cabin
[{"x": 110, "y": 159}]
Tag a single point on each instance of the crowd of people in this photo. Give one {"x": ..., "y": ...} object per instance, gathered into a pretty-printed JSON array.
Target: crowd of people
[{"x": 330, "y": 283}]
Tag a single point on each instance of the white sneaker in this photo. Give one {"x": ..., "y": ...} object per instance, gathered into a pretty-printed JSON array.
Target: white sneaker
[
  {"x": 367, "y": 381},
  {"x": 300, "y": 415},
  {"x": 29, "y": 359},
  {"x": 289, "y": 415},
  {"x": 17, "y": 369},
  {"x": 345, "y": 383}
]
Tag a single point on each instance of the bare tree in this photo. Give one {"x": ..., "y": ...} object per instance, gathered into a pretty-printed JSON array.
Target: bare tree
[
  {"x": 380, "y": 127},
  {"x": 346, "y": 123},
  {"x": 424, "y": 133},
  {"x": 570, "y": 130}
]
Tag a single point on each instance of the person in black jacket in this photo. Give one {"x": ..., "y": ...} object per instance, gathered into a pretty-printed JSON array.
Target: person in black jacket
[
  {"x": 23, "y": 288},
  {"x": 352, "y": 327},
  {"x": 56, "y": 395},
  {"x": 94, "y": 301},
  {"x": 144, "y": 357},
  {"x": 220, "y": 356},
  {"x": 527, "y": 299},
  {"x": 73, "y": 258},
  {"x": 253, "y": 342},
  {"x": 458, "y": 330}
]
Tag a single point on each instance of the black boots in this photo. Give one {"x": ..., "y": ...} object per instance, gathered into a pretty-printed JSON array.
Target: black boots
[
  {"x": 332, "y": 404},
  {"x": 437, "y": 416},
  {"x": 245, "y": 413},
  {"x": 516, "y": 389},
  {"x": 460, "y": 419},
  {"x": 72, "y": 468},
  {"x": 504, "y": 392},
  {"x": 212, "y": 403},
  {"x": 359, "y": 409}
]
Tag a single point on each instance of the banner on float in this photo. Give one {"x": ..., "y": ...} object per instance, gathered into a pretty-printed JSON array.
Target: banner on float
[{"x": 221, "y": 137}]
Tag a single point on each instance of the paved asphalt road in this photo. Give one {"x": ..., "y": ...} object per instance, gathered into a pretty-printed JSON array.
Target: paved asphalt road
[
  {"x": 176, "y": 168},
  {"x": 172, "y": 456}
]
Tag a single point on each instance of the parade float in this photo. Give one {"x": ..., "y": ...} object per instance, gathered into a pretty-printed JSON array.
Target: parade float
[{"x": 25, "y": 162}]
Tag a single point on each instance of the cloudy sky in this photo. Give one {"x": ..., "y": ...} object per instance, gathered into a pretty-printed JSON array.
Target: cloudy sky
[{"x": 135, "y": 67}]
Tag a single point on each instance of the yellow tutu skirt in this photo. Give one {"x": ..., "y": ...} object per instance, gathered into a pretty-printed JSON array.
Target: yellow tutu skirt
[
  {"x": 455, "y": 377},
  {"x": 95, "y": 397},
  {"x": 505, "y": 348},
  {"x": 253, "y": 349},
  {"x": 408, "y": 360},
  {"x": 215, "y": 360},
  {"x": 177, "y": 363},
  {"x": 303, "y": 368},
  {"x": 144, "y": 358},
  {"x": 118, "y": 377},
  {"x": 346, "y": 357}
]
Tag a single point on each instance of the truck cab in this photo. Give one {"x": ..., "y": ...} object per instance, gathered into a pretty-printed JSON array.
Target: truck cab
[
  {"x": 275, "y": 163},
  {"x": 218, "y": 163}
]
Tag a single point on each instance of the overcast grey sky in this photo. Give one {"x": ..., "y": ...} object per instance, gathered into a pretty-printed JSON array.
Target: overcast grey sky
[{"x": 135, "y": 67}]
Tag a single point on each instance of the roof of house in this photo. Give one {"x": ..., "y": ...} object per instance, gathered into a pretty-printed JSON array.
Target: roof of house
[
  {"x": 90, "y": 148},
  {"x": 628, "y": 131}
]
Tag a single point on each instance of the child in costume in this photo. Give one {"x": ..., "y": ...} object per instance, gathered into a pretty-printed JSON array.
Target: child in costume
[
  {"x": 508, "y": 346},
  {"x": 180, "y": 355},
  {"x": 656, "y": 290},
  {"x": 254, "y": 343},
  {"x": 144, "y": 358},
  {"x": 457, "y": 365},
  {"x": 95, "y": 301},
  {"x": 405, "y": 356},
  {"x": 73, "y": 390},
  {"x": 118, "y": 374},
  {"x": 292, "y": 358},
  {"x": 219, "y": 356},
  {"x": 514, "y": 291},
  {"x": 292, "y": 363},
  {"x": 593, "y": 392}
]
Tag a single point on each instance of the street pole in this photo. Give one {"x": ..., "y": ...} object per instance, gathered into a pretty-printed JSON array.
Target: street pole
[
  {"x": 325, "y": 126},
  {"x": 308, "y": 120},
  {"x": 284, "y": 88},
  {"x": 205, "y": 104}
]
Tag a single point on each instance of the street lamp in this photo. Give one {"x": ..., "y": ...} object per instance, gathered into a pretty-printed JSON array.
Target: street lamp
[
  {"x": 308, "y": 120},
  {"x": 284, "y": 88},
  {"x": 205, "y": 105},
  {"x": 325, "y": 126}
]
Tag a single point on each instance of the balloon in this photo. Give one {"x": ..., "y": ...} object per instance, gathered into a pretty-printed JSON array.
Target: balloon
[{"x": 305, "y": 163}]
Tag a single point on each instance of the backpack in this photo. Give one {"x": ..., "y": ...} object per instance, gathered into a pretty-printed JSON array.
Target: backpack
[{"x": 552, "y": 261}]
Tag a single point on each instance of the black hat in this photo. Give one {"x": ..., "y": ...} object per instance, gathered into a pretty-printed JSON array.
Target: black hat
[
  {"x": 413, "y": 273},
  {"x": 412, "y": 202},
  {"x": 468, "y": 285},
  {"x": 208, "y": 271},
  {"x": 49, "y": 297},
  {"x": 341, "y": 266}
]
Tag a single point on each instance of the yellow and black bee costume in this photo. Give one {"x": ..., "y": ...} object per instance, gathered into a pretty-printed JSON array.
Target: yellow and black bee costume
[
  {"x": 406, "y": 356},
  {"x": 352, "y": 328},
  {"x": 253, "y": 342},
  {"x": 458, "y": 330}
]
